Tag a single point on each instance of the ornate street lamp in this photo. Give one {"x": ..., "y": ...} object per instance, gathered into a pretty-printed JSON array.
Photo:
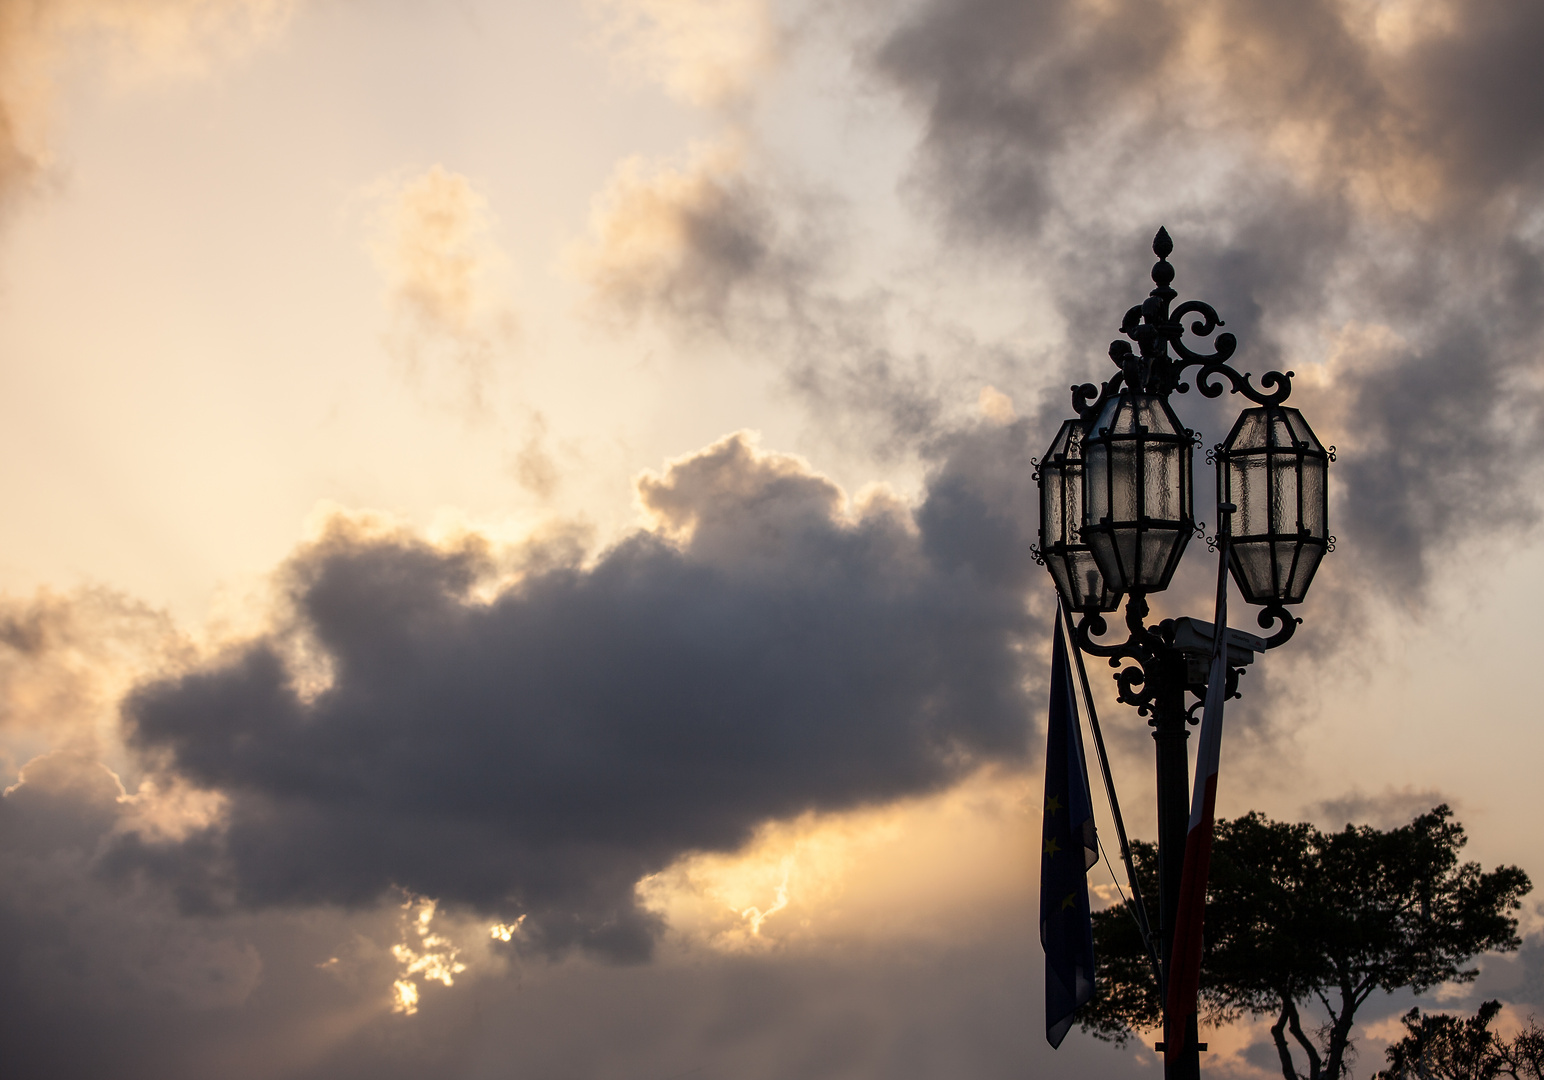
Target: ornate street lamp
[{"x": 1128, "y": 459}]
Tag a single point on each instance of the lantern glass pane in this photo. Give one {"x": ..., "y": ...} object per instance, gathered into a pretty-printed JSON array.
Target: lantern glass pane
[
  {"x": 1307, "y": 562},
  {"x": 1154, "y": 556},
  {"x": 1301, "y": 431},
  {"x": 1251, "y": 431},
  {"x": 1283, "y": 479},
  {"x": 1249, "y": 494},
  {"x": 1315, "y": 497},
  {"x": 1053, "y": 501},
  {"x": 1156, "y": 478},
  {"x": 1126, "y": 476},
  {"x": 1251, "y": 562},
  {"x": 1080, "y": 582},
  {"x": 1284, "y": 557}
]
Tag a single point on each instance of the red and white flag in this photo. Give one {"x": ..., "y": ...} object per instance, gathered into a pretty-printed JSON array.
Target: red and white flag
[{"x": 1185, "y": 954}]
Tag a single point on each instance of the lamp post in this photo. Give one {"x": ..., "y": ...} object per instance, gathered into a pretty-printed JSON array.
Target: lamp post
[{"x": 1117, "y": 511}]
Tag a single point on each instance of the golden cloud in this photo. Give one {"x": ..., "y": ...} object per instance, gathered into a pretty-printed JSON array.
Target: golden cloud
[
  {"x": 67, "y": 659},
  {"x": 930, "y": 868},
  {"x": 678, "y": 237},
  {"x": 434, "y": 245}
]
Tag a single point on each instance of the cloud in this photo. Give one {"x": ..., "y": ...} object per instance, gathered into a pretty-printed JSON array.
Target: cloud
[
  {"x": 53, "y": 823},
  {"x": 704, "y": 52},
  {"x": 721, "y": 248},
  {"x": 434, "y": 245},
  {"x": 310, "y": 993},
  {"x": 921, "y": 870},
  {"x": 703, "y": 243},
  {"x": 533, "y": 465},
  {"x": 161, "y": 993},
  {"x": 138, "y": 40},
  {"x": 65, "y": 661},
  {"x": 1385, "y": 810},
  {"x": 766, "y": 650},
  {"x": 1343, "y": 166}
]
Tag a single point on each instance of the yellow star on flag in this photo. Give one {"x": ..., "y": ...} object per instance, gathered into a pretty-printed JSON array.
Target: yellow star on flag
[
  {"x": 1051, "y": 847},
  {"x": 1071, "y": 899},
  {"x": 1053, "y": 804}
]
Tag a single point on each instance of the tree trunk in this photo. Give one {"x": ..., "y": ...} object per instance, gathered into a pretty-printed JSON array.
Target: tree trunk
[
  {"x": 1289, "y": 1022},
  {"x": 1340, "y": 1037}
]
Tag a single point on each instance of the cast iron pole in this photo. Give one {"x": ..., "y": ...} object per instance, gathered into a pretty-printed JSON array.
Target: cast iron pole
[{"x": 1171, "y": 733}]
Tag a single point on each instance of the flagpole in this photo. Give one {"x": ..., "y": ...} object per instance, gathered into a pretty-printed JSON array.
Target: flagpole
[{"x": 1138, "y": 906}]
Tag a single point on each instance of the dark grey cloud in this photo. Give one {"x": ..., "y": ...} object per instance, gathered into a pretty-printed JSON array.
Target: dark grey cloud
[
  {"x": 1004, "y": 89},
  {"x": 540, "y": 752},
  {"x": 1316, "y": 172},
  {"x": 1386, "y": 809},
  {"x": 1523, "y": 976},
  {"x": 98, "y": 980},
  {"x": 81, "y": 954}
]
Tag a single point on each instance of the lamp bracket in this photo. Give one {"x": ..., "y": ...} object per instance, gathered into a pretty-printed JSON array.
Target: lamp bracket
[{"x": 1176, "y": 650}]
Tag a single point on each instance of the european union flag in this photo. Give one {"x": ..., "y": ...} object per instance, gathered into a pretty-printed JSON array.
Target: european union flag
[{"x": 1068, "y": 849}]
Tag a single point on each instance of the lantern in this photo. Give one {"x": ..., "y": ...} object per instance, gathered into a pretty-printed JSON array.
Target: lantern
[
  {"x": 1138, "y": 500},
  {"x": 1275, "y": 471},
  {"x": 1079, "y": 582}
]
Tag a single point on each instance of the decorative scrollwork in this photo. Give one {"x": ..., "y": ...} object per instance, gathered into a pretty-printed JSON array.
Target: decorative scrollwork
[
  {"x": 1331, "y": 453},
  {"x": 1087, "y": 399},
  {"x": 1150, "y": 658},
  {"x": 1093, "y": 625},
  {"x": 1330, "y": 547},
  {"x": 1129, "y": 681},
  {"x": 1276, "y": 613},
  {"x": 1156, "y": 329},
  {"x": 1240, "y": 381},
  {"x": 1202, "y": 327},
  {"x": 1034, "y": 551}
]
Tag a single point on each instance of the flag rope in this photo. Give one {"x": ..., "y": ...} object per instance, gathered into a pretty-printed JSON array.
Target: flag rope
[
  {"x": 1137, "y": 907},
  {"x": 1105, "y": 854}
]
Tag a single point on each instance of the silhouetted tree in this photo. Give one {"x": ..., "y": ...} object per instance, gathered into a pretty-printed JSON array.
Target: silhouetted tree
[
  {"x": 1296, "y": 916},
  {"x": 1441, "y": 1047}
]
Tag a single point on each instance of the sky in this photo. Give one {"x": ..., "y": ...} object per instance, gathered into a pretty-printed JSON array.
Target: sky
[{"x": 516, "y": 551}]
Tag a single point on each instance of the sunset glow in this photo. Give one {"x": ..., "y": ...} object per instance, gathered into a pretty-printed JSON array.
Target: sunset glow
[{"x": 516, "y": 552}]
